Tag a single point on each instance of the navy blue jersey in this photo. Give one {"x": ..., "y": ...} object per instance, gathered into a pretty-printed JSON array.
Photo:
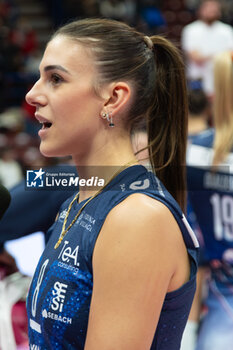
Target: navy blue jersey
[
  {"x": 60, "y": 294},
  {"x": 211, "y": 197}
]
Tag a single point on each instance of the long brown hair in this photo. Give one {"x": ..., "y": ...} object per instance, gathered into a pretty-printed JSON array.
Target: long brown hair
[{"x": 156, "y": 72}]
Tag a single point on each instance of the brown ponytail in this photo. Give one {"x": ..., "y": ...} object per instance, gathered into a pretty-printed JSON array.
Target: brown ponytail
[{"x": 167, "y": 121}]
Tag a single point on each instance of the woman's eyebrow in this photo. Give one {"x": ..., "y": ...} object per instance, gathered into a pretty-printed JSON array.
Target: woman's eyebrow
[{"x": 55, "y": 66}]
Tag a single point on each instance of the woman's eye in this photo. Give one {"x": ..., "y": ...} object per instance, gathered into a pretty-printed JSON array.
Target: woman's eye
[{"x": 55, "y": 79}]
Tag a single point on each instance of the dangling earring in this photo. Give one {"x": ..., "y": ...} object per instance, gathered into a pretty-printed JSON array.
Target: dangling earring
[
  {"x": 108, "y": 116},
  {"x": 110, "y": 120}
]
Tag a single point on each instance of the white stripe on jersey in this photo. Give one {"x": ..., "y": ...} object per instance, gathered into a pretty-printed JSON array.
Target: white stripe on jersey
[
  {"x": 190, "y": 231},
  {"x": 34, "y": 325}
]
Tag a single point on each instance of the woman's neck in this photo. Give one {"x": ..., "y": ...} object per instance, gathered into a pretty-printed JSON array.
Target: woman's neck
[{"x": 103, "y": 164}]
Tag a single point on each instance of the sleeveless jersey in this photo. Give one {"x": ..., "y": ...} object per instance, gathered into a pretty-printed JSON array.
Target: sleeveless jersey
[{"x": 60, "y": 294}]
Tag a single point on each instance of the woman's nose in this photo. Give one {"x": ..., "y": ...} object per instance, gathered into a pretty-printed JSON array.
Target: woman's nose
[{"x": 35, "y": 96}]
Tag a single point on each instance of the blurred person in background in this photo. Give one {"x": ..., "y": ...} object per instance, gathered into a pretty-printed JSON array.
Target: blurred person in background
[
  {"x": 152, "y": 17},
  {"x": 114, "y": 9},
  {"x": 13, "y": 317},
  {"x": 10, "y": 170},
  {"x": 210, "y": 185},
  {"x": 198, "y": 110},
  {"x": 202, "y": 40}
]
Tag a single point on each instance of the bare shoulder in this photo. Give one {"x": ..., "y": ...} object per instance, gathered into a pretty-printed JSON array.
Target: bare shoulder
[
  {"x": 143, "y": 225},
  {"x": 142, "y": 211}
]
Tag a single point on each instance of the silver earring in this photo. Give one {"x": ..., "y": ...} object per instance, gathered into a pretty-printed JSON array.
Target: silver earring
[
  {"x": 110, "y": 120},
  {"x": 108, "y": 116}
]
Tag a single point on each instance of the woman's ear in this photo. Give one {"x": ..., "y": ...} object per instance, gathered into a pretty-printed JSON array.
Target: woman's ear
[{"x": 118, "y": 97}]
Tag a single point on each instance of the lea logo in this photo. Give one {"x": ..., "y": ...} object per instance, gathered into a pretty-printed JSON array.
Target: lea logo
[{"x": 67, "y": 254}]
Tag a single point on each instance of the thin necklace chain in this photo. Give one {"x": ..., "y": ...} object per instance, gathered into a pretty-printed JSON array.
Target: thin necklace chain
[{"x": 65, "y": 230}]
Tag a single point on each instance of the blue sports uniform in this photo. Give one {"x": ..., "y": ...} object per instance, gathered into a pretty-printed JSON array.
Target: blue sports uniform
[
  {"x": 60, "y": 294},
  {"x": 211, "y": 197}
]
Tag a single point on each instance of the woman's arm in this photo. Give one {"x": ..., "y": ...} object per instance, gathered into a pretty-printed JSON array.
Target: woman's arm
[{"x": 138, "y": 257}]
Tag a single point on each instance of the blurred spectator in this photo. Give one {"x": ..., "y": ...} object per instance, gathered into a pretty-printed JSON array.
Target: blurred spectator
[
  {"x": 23, "y": 36},
  {"x": 10, "y": 170},
  {"x": 210, "y": 185},
  {"x": 12, "y": 119},
  {"x": 197, "y": 123},
  {"x": 198, "y": 106},
  {"x": 152, "y": 17},
  {"x": 13, "y": 291},
  {"x": 131, "y": 11},
  {"x": 115, "y": 9},
  {"x": 32, "y": 62},
  {"x": 202, "y": 40},
  {"x": 17, "y": 42}
]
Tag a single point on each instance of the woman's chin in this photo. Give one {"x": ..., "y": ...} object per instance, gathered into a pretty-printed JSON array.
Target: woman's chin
[{"x": 49, "y": 152}]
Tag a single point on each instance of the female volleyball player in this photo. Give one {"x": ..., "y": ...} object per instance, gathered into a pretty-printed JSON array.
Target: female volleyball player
[{"x": 119, "y": 269}]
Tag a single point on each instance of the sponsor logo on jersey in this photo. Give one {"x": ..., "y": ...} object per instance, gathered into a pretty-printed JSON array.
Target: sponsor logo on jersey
[
  {"x": 34, "y": 347},
  {"x": 87, "y": 221},
  {"x": 57, "y": 303},
  {"x": 68, "y": 255},
  {"x": 122, "y": 186},
  {"x": 56, "y": 317},
  {"x": 69, "y": 258},
  {"x": 62, "y": 215},
  {"x": 140, "y": 185},
  {"x": 59, "y": 293}
]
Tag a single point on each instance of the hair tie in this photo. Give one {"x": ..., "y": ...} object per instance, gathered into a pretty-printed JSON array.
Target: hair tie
[{"x": 148, "y": 42}]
